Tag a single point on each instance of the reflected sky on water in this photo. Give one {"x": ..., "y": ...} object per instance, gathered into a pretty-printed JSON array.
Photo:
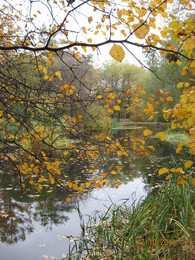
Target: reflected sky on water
[
  {"x": 52, "y": 242},
  {"x": 37, "y": 224}
]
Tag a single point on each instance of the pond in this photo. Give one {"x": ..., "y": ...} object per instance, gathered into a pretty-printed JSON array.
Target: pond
[{"x": 39, "y": 225}]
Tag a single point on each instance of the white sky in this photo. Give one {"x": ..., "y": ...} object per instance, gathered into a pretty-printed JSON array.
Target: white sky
[{"x": 77, "y": 20}]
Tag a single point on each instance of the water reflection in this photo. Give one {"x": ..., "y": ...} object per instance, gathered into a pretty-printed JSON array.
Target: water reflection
[
  {"x": 21, "y": 215},
  {"x": 15, "y": 220}
]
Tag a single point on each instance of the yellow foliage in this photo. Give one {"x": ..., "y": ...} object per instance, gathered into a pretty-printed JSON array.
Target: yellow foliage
[
  {"x": 151, "y": 147},
  {"x": 99, "y": 97},
  {"x": 168, "y": 177},
  {"x": 161, "y": 136},
  {"x": 188, "y": 164},
  {"x": 117, "y": 53},
  {"x": 58, "y": 75},
  {"x": 179, "y": 147},
  {"x": 117, "y": 108},
  {"x": 180, "y": 84},
  {"x": 68, "y": 200},
  {"x": 181, "y": 180},
  {"x": 41, "y": 179},
  {"x": 106, "y": 90},
  {"x": 162, "y": 171},
  {"x": 141, "y": 30},
  {"x": 147, "y": 132}
]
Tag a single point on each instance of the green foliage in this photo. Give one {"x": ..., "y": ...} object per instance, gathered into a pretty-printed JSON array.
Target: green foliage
[
  {"x": 121, "y": 76},
  {"x": 96, "y": 120}
]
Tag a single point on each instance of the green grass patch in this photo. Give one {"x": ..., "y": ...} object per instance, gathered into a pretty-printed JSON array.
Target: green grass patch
[
  {"x": 160, "y": 227},
  {"x": 176, "y": 136}
]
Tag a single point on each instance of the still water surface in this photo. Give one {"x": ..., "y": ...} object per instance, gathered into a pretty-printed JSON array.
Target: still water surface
[
  {"x": 50, "y": 239},
  {"x": 36, "y": 225}
]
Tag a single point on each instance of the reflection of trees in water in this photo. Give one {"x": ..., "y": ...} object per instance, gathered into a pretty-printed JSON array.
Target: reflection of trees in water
[
  {"x": 15, "y": 220},
  {"x": 49, "y": 207}
]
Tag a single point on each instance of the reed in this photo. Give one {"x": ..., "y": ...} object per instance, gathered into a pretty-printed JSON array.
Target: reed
[{"x": 160, "y": 227}]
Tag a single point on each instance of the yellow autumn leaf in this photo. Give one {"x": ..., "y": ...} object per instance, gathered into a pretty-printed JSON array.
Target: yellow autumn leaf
[
  {"x": 143, "y": 92},
  {"x": 168, "y": 177},
  {"x": 151, "y": 147},
  {"x": 88, "y": 184},
  {"x": 180, "y": 84},
  {"x": 119, "y": 168},
  {"x": 70, "y": 184},
  {"x": 151, "y": 118},
  {"x": 31, "y": 182},
  {"x": 179, "y": 147},
  {"x": 68, "y": 200},
  {"x": 104, "y": 174},
  {"x": 188, "y": 164},
  {"x": 192, "y": 97},
  {"x": 147, "y": 132},
  {"x": 106, "y": 90},
  {"x": 170, "y": 99},
  {"x": 27, "y": 42},
  {"x": 110, "y": 111},
  {"x": 180, "y": 180},
  {"x": 52, "y": 180},
  {"x": 58, "y": 75},
  {"x": 117, "y": 108},
  {"x": 162, "y": 171},
  {"x": 84, "y": 48},
  {"x": 113, "y": 172},
  {"x": 84, "y": 30},
  {"x": 161, "y": 136},
  {"x": 74, "y": 120},
  {"x": 46, "y": 77},
  {"x": 141, "y": 30},
  {"x": 99, "y": 96},
  {"x": 44, "y": 70},
  {"x": 187, "y": 84},
  {"x": 65, "y": 153},
  {"x": 193, "y": 181},
  {"x": 117, "y": 52},
  {"x": 128, "y": 92},
  {"x": 39, "y": 188},
  {"x": 139, "y": 87},
  {"x": 41, "y": 179},
  {"x": 79, "y": 117},
  {"x": 12, "y": 119},
  {"x": 41, "y": 128},
  {"x": 90, "y": 19}
]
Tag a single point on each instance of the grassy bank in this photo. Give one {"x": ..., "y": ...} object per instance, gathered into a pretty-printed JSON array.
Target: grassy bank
[
  {"x": 176, "y": 136},
  {"x": 160, "y": 227}
]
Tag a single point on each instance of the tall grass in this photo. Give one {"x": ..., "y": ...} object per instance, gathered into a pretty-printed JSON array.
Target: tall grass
[{"x": 160, "y": 227}]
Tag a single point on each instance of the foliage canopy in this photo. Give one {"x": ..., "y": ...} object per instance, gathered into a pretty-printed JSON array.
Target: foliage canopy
[{"x": 47, "y": 81}]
